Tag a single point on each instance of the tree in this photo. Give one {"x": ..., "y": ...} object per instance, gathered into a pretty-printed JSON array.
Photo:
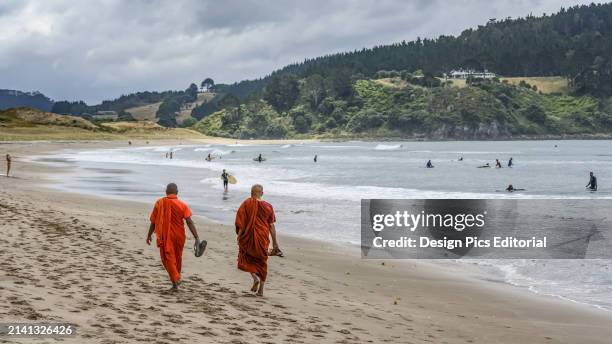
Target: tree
[
  {"x": 192, "y": 92},
  {"x": 167, "y": 120},
  {"x": 229, "y": 101},
  {"x": 125, "y": 116},
  {"x": 314, "y": 90},
  {"x": 282, "y": 92},
  {"x": 207, "y": 85},
  {"x": 188, "y": 122}
]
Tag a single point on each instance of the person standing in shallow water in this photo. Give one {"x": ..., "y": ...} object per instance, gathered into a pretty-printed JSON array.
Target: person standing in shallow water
[
  {"x": 8, "y": 164},
  {"x": 225, "y": 177},
  {"x": 592, "y": 185},
  {"x": 315, "y": 158}
]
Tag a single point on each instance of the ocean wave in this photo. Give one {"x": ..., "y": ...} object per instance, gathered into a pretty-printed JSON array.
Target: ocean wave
[{"x": 388, "y": 147}]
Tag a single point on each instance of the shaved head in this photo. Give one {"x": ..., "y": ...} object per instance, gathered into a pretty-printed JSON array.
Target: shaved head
[
  {"x": 171, "y": 189},
  {"x": 256, "y": 191}
]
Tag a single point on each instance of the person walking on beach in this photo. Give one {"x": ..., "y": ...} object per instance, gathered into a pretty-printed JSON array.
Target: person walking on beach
[
  {"x": 254, "y": 226},
  {"x": 225, "y": 177},
  {"x": 592, "y": 185},
  {"x": 167, "y": 223},
  {"x": 8, "y": 164}
]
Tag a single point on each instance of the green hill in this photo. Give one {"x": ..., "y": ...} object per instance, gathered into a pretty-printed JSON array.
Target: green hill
[{"x": 394, "y": 107}]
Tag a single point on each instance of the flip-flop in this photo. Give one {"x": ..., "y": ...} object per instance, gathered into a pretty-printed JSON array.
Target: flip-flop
[
  {"x": 276, "y": 252},
  {"x": 199, "y": 247}
]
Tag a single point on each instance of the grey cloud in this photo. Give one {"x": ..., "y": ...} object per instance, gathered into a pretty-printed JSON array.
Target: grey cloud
[{"x": 98, "y": 50}]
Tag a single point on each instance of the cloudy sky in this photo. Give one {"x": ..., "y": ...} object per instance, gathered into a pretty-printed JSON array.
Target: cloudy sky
[{"x": 94, "y": 50}]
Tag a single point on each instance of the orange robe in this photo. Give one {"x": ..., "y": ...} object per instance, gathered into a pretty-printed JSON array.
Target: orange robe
[
  {"x": 253, "y": 221},
  {"x": 168, "y": 215}
]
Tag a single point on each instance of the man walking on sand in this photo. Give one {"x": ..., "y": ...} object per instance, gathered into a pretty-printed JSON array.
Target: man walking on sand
[
  {"x": 8, "y": 164},
  {"x": 254, "y": 227},
  {"x": 167, "y": 223}
]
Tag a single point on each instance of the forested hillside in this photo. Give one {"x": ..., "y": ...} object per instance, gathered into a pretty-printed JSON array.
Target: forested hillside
[
  {"x": 575, "y": 43},
  {"x": 406, "y": 107},
  {"x": 398, "y": 90},
  {"x": 13, "y": 99}
]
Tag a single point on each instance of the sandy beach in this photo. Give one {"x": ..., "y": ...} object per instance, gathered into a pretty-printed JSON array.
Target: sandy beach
[{"x": 83, "y": 260}]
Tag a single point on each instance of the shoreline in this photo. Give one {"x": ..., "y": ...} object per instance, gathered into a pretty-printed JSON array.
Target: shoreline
[
  {"x": 320, "y": 139},
  {"x": 415, "y": 302}
]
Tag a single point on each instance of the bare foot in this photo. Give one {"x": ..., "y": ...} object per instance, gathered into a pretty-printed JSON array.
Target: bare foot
[
  {"x": 260, "y": 289},
  {"x": 175, "y": 286},
  {"x": 256, "y": 280}
]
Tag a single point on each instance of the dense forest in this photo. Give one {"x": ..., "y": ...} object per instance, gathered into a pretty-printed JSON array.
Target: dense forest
[
  {"x": 14, "y": 99},
  {"x": 575, "y": 43}
]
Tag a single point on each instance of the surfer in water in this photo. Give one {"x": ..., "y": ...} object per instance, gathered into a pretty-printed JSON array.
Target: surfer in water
[
  {"x": 510, "y": 162},
  {"x": 171, "y": 154},
  {"x": 225, "y": 177},
  {"x": 497, "y": 164},
  {"x": 315, "y": 158},
  {"x": 429, "y": 164},
  {"x": 511, "y": 188},
  {"x": 260, "y": 158},
  {"x": 592, "y": 185},
  {"x": 209, "y": 158},
  {"x": 461, "y": 158}
]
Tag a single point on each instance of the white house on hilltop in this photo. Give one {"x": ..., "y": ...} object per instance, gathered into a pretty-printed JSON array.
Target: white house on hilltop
[{"x": 469, "y": 73}]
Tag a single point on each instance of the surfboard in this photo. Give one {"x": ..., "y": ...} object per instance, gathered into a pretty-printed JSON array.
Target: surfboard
[
  {"x": 231, "y": 179},
  {"x": 211, "y": 158},
  {"x": 257, "y": 159}
]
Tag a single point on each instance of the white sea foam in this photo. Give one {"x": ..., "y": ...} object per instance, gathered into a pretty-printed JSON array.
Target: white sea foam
[{"x": 388, "y": 147}]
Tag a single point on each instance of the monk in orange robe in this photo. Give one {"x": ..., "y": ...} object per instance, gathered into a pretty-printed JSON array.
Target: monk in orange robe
[
  {"x": 254, "y": 226},
  {"x": 167, "y": 224}
]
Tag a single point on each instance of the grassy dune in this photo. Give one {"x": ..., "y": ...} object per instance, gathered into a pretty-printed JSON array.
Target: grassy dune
[{"x": 32, "y": 125}]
